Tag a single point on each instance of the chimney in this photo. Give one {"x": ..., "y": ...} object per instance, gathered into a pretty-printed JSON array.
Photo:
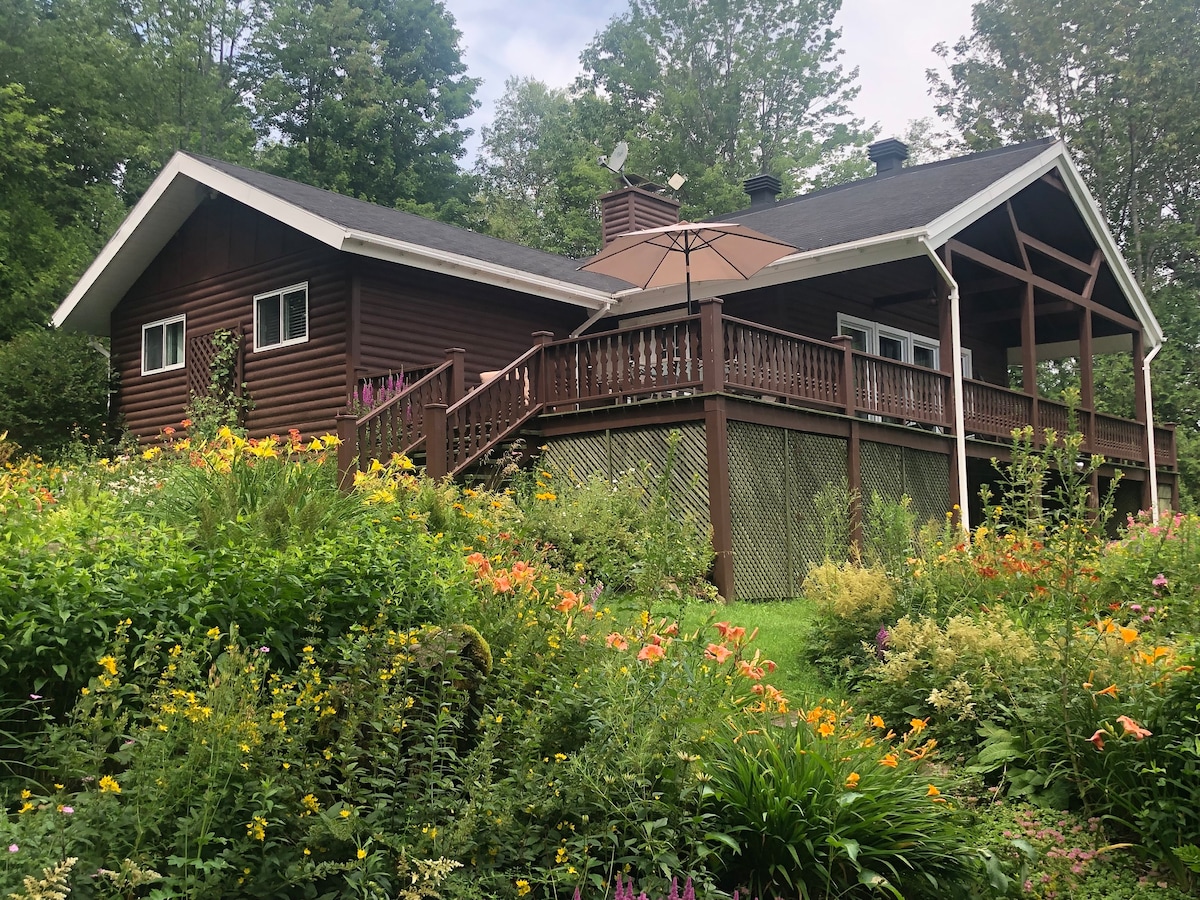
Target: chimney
[
  {"x": 888, "y": 155},
  {"x": 763, "y": 188},
  {"x": 633, "y": 209}
]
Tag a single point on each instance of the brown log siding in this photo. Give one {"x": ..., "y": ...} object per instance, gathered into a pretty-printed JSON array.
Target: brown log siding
[
  {"x": 409, "y": 318},
  {"x": 210, "y": 271}
]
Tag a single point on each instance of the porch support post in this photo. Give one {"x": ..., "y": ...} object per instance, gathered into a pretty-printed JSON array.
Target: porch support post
[
  {"x": 1087, "y": 398},
  {"x": 347, "y": 451},
  {"x": 720, "y": 507},
  {"x": 457, "y": 357},
  {"x": 1029, "y": 361},
  {"x": 541, "y": 373},
  {"x": 854, "y": 485},
  {"x": 847, "y": 375},
  {"x": 437, "y": 449},
  {"x": 712, "y": 345}
]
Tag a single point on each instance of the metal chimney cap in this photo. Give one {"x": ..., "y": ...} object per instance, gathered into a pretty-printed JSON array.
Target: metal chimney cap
[{"x": 888, "y": 155}]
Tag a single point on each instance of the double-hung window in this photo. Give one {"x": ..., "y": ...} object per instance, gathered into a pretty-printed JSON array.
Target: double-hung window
[
  {"x": 162, "y": 345},
  {"x": 281, "y": 317}
]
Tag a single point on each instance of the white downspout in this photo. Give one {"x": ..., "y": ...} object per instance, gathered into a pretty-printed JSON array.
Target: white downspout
[
  {"x": 1151, "y": 455},
  {"x": 956, "y": 379}
]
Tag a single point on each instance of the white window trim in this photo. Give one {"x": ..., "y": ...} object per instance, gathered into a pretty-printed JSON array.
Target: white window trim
[
  {"x": 170, "y": 320},
  {"x": 908, "y": 339},
  {"x": 279, "y": 292}
]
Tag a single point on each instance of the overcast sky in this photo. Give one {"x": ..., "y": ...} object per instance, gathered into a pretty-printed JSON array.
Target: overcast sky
[{"x": 889, "y": 41}]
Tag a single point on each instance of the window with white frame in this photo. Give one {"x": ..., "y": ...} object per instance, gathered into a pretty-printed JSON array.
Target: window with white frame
[
  {"x": 162, "y": 345},
  {"x": 281, "y": 317},
  {"x": 894, "y": 343}
]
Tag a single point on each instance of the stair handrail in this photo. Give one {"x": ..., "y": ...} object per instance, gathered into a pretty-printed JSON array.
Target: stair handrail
[{"x": 534, "y": 402}]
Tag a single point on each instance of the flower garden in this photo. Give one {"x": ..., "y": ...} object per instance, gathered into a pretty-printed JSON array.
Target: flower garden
[{"x": 220, "y": 676}]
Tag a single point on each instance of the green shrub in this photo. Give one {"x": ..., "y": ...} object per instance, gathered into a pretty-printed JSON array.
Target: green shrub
[
  {"x": 54, "y": 390},
  {"x": 957, "y": 674},
  {"x": 826, "y": 807},
  {"x": 630, "y": 537},
  {"x": 853, "y": 604}
]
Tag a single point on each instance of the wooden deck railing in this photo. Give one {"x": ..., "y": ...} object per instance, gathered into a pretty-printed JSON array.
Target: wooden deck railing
[
  {"x": 397, "y": 426},
  {"x": 667, "y": 360}
]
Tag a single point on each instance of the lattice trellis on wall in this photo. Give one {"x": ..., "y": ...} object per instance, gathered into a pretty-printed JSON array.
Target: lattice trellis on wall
[
  {"x": 891, "y": 472},
  {"x": 614, "y": 452},
  {"x": 774, "y": 476},
  {"x": 758, "y": 496},
  {"x": 817, "y": 529},
  {"x": 927, "y": 481}
]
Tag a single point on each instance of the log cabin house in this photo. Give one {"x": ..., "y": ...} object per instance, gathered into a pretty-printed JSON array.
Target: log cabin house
[{"x": 893, "y": 353}]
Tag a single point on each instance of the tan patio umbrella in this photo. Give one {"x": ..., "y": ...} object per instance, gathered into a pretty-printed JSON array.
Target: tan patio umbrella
[{"x": 687, "y": 252}]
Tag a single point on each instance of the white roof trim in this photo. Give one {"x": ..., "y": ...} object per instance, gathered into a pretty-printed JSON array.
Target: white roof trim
[
  {"x": 1055, "y": 156},
  {"x": 905, "y": 244},
  {"x": 421, "y": 257},
  {"x": 178, "y": 190}
]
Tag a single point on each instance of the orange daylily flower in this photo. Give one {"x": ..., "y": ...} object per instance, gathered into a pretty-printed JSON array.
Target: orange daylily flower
[
  {"x": 652, "y": 653},
  {"x": 719, "y": 652},
  {"x": 852, "y": 780},
  {"x": 877, "y": 722},
  {"x": 1132, "y": 727},
  {"x": 891, "y": 761},
  {"x": 1110, "y": 691},
  {"x": 825, "y": 729},
  {"x": 617, "y": 641},
  {"x": 933, "y": 791},
  {"x": 1128, "y": 635}
]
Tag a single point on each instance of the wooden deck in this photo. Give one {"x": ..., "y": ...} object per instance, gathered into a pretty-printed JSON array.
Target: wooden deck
[{"x": 709, "y": 354}]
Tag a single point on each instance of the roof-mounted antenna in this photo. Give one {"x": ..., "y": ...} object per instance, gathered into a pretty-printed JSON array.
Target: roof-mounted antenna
[{"x": 615, "y": 161}]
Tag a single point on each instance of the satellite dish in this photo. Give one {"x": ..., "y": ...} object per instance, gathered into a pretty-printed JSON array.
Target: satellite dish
[
  {"x": 676, "y": 181},
  {"x": 620, "y": 153}
]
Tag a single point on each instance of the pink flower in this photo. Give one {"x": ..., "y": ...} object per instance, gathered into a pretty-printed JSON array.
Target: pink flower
[
  {"x": 1097, "y": 739},
  {"x": 1160, "y": 580},
  {"x": 1132, "y": 727},
  {"x": 13, "y": 848}
]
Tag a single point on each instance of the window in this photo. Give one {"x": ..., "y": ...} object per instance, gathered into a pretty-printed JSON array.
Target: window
[
  {"x": 281, "y": 317},
  {"x": 892, "y": 343},
  {"x": 162, "y": 345}
]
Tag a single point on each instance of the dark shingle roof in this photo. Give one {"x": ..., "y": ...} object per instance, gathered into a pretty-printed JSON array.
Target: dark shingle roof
[
  {"x": 911, "y": 198},
  {"x": 358, "y": 215},
  {"x": 874, "y": 206}
]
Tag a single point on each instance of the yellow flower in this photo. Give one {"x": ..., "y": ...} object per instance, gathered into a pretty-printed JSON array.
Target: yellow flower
[
  {"x": 257, "y": 828},
  {"x": 523, "y": 887},
  {"x": 108, "y": 664},
  {"x": 852, "y": 780},
  {"x": 546, "y": 495},
  {"x": 26, "y": 794},
  {"x": 362, "y": 853},
  {"x": 25, "y": 807},
  {"x": 345, "y": 813},
  {"x": 933, "y": 791},
  {"x": 561, "y": 855},
  {"x": 109, "y": 785},
  {"x": 309, "y": 802},
  {"x": 214, "y": 633}
]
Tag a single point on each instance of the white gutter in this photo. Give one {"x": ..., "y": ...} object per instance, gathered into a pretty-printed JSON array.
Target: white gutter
[
  {"x": 956, "y": 379},
  {"x": 1151, "y": 455},
  {"x": 422, "y": 257}
]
